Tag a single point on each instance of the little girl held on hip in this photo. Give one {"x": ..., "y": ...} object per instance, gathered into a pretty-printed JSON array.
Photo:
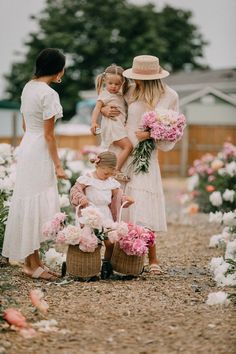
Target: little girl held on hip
[
  {"x": 111, "y": 86},
  {"x": 100, "y": 189}
]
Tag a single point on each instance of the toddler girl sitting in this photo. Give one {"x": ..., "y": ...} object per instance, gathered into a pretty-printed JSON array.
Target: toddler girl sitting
[{"x": 100, "y": 189}]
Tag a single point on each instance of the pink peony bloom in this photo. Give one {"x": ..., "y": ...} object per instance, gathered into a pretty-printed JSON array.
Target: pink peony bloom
[
  {"x": 88, "y": 241},
  {"x": 113, "y": 236},
  {"x": 15, "y": 318},
  {"x": 36, "y": 297}
]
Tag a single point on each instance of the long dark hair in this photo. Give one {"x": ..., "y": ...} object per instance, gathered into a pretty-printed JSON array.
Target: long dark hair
[{"x": 50, "y": 61}]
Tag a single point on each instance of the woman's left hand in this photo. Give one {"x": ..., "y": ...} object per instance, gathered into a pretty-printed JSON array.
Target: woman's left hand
[{"x": 141, "y": 135}]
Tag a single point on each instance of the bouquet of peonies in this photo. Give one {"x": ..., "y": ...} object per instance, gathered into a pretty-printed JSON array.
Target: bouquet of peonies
[
  {"x": 163, "y": 125},
  {"x": 87, "y": 237},
  {"x": 133, "y": 239},
  {"x": 52, "y": 227}
]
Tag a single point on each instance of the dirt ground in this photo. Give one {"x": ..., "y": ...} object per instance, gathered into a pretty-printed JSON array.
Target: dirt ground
[{"x": 163, "y": 314}]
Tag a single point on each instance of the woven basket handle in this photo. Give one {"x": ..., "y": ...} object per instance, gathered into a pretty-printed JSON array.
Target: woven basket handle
[{"x": 121, "y": 208}]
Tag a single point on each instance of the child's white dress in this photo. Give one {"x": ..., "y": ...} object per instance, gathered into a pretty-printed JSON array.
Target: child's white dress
[
  {"x": 35, "y": 198},
  {"x": 113, "y": 130},
  {"x": 99, "y": 192}
]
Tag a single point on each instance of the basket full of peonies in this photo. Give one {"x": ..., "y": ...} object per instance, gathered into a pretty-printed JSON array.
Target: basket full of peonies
[{"x": 131, "y": 245}]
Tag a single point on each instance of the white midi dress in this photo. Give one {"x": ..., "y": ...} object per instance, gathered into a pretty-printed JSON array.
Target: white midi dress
[
  {"x": 146, "y": 188},
  {"x": 99, "y": 192},
  {"x": 113, "y": 130},
  {"x": 35, "y": 197}
]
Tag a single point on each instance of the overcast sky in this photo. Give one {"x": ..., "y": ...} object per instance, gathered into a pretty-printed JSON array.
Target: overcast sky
[{"x": 215, "y": 19}]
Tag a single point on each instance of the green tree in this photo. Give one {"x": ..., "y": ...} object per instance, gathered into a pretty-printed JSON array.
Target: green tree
[{"x": 94, "y": 34}]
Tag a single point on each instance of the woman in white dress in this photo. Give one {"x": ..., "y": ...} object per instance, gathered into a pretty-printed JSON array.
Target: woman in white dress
[
  {"x": 35, "y": 198},
  {"x": 148, "y": 93}
]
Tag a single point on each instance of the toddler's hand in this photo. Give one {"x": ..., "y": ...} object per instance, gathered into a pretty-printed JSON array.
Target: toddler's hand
[
  {"x": 93, "y": 128},
  {"x": 84, "y": 202}
]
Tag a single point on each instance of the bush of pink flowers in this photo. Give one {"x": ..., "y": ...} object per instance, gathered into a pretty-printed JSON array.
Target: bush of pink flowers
[
  {"x": 163, "y": 125},
  {"x": 133, "y": 239}
]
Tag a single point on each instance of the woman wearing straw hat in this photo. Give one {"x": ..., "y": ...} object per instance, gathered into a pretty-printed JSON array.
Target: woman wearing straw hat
[{"x": 147, "y": 93}]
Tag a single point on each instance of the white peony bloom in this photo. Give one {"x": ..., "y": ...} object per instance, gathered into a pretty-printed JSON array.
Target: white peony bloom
[
  {"x": 215, "y": 240},
  {"x": 231, "y": 250},
  {"x": 229, "y": 219},
  {"x": 69, "y": 173},
  {"x": 216, "y": 217},
  {"x": 215, "y": 263},
  {"x": 193, "y": 182},
  {"x": 231, "y": 168},
  {"x": 64, "y": 186},
  {"x": 54, "y": 258},
  {"x": 218, "y": 298},
  {"x": 5, "y": 151},
  {"x": 2, "y": 161},
  {"x": 76, "y": 166},
  {"x": 64, "y": 201},
  {"x": 216, "y": 199},
  {"x": 222, "y": 172},
  {"x": 228, "y": 195}
]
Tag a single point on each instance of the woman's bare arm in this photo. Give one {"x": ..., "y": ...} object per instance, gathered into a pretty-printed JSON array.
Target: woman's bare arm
[
  {"x": 52, "y": 147},
  {"x": 110, "y": 112}
]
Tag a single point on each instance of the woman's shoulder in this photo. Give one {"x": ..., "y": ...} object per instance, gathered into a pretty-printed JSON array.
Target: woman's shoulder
[{"x": 170, "y": 92}]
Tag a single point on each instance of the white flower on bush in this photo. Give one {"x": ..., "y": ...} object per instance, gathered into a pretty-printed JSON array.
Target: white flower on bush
[
  {"x": 215, "y": 240},
  {"x": 5, "y": 151},
  {"x": 218, "y": 298},
  {"x": 216, "y": 217},
  {"x": 231, "y": 250},
  {"x": 6, "y": 185},
  {"x": 54, "y": 258},
  {"x": 91, "y": 217},
  {"x": 76, "y": 166},
  {"x": 222, "y": 172},
  {"x": 64, "y": 200},
  {"x": 68, "y": 173},
  {"x": 229, "y": 219},
  {"x": 215, "y": 263},
  {"x": 216, "y": 198},
  {"x": 231, "y": 168},
  {"x": 193, "y": 182},
  {"x": 228, "y": 195},
  {"x": 64, "y": 186}
]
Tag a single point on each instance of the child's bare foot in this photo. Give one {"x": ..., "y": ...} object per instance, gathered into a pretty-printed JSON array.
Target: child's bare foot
[{"x": 121, "y": 177}]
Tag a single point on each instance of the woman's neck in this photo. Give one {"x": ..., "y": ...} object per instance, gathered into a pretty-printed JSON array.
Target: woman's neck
[{"x": 46, "y": 79}]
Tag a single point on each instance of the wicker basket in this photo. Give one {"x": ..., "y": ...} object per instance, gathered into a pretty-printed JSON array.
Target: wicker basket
[
  {"x": 83, "y": 264},
  {"x": 124, "y": 264}
]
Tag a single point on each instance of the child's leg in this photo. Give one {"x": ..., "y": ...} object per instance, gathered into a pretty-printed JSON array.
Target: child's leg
[
  {"x": 108, "y": 251},
  {"x": 126, "y": 148},
  {"x": 152, "y": 256}
]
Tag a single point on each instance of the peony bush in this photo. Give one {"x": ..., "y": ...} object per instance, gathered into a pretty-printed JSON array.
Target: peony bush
[{"x": 212, "y": 181}]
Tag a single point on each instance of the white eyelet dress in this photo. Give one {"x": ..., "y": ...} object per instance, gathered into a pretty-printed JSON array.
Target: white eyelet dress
[
  {"x": 99, "y": 192},
  {"x": 35, "y": 198}
]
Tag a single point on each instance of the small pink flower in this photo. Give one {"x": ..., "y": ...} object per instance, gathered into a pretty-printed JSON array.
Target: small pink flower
[{"x": 15, "y": 318}]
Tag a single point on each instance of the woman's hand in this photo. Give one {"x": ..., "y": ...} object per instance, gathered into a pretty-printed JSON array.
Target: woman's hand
[
  {"x": 141, "y": 135},
  {"x": 110, "y": 112},
  {"x": 60, "y": 173}
]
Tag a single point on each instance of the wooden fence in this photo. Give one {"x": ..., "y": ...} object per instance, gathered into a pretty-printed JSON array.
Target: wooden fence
[{"x": 197, "y": 140}]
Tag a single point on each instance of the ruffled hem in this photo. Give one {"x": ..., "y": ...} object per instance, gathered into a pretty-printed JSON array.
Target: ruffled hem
[
  {"x": 25, "y": 221},
  {"x": 107, "y": 184}
]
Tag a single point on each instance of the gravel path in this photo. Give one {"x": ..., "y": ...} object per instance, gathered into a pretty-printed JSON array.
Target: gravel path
[{"x": 163, "y": 314}]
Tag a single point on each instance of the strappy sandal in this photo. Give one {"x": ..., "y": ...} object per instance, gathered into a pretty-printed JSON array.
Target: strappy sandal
[
  {"x": 38, "y": 274},
  {"x": 155, "y": 269},
  {"x": 50, "y": 271},
  {"x": 121, "y": 177}
]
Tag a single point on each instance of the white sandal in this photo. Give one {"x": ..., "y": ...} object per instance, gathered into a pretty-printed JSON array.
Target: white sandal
[{"x": 155, "y": 269}]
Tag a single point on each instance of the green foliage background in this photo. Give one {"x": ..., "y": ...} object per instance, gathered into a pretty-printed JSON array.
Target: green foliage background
[{"x": 94, "y": 34}]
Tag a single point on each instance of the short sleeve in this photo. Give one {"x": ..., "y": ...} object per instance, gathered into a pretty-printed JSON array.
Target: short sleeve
[
  {"x": 104, "y": 97},
  {"x": 86, "y": 180},
  {"x": 51, "y": 106},
  {"x": 114, "y": 183}
]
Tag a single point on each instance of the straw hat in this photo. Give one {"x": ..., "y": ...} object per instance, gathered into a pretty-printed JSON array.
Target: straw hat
[{"x": 145, "y": 67}]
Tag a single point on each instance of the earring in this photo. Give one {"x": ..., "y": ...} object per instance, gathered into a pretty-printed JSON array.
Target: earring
[{"x": 58, "y": 79}]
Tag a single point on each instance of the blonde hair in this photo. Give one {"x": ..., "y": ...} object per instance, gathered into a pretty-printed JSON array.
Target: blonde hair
[
  {"x": 114, "y": 70},
  {"x": 105, "y": 159},
  {"x": 148, "y": 91}
]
